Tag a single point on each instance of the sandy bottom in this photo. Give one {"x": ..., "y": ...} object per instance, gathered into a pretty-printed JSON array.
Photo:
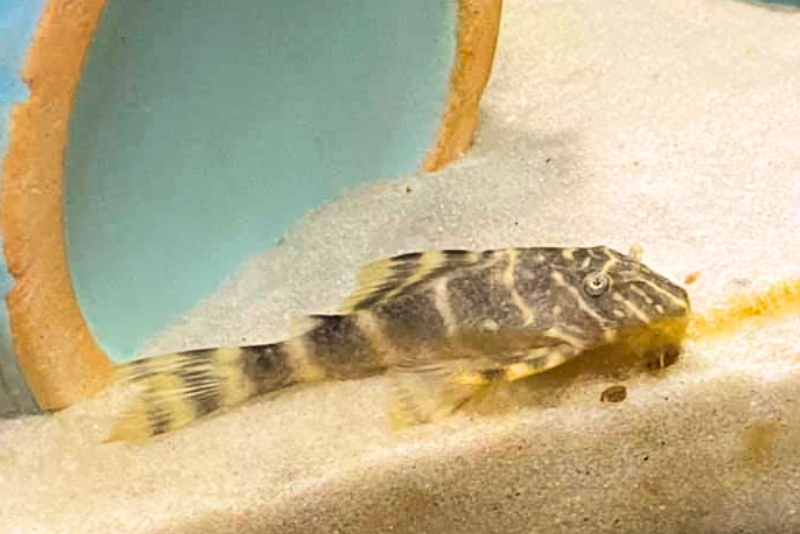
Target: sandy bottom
[{"x": 674, "y": 125}]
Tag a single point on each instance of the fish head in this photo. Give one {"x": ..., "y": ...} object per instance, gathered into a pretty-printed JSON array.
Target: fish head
[{"x": 602, "y": 296}]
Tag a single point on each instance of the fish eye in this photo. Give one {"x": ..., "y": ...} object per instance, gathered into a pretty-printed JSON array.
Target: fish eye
[{"x": 596, "y": 283}]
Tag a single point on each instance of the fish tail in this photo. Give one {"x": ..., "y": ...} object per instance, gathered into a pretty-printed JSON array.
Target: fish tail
[{"x": 179, "y": 388}]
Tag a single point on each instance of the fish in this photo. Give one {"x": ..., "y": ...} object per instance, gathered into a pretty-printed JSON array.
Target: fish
[{"x": 443, "y": 325}]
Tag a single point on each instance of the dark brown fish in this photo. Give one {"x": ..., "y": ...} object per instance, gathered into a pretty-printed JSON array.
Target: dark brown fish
[{"x": 444, "y": 324}]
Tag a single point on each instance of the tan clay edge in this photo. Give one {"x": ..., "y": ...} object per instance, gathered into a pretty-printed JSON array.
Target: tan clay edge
[
  {"x": 58, "y": 355},
  {"x": 478, "y": 28}
]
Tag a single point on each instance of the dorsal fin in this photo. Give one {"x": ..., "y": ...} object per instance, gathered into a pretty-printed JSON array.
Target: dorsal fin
[{"x": 382, "y": 280}]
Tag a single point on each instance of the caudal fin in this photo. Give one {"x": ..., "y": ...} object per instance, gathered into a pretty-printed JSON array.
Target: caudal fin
[{"x": 179, "y": 388}]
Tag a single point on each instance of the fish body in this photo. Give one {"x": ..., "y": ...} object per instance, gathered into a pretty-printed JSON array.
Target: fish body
[{"x": 444, "y": 324}]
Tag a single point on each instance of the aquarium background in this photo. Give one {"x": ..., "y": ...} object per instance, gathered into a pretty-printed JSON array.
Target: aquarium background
[{"x": 199, "y": 137}]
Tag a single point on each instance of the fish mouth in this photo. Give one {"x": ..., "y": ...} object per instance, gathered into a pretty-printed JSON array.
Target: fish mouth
[{"x": 658, "y": 339}]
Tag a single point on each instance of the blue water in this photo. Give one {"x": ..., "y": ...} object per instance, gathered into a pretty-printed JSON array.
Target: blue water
[{"x": 17, "y": 21}]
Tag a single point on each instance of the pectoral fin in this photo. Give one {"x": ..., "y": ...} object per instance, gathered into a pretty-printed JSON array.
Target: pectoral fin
[
  {"x": 426, "y": 394},
  {"x": 436, "y": 383}
]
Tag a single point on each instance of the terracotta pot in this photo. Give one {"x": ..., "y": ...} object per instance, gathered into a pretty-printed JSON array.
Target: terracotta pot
[{"x": 161, "y": 143}]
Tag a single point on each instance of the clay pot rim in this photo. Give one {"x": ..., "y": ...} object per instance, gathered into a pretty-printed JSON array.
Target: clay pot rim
[{"x": 56, "y": 351}]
